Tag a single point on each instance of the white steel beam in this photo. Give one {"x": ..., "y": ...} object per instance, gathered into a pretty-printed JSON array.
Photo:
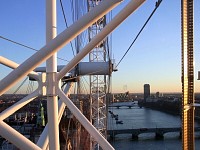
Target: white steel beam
[
  {"x": 84, "y": 121},
  {"x": 98, "y": 83},
  {"x": 57, "y": 43},
  {"x": 16, "y": 138},
  {"x": 43, "y": 141},
  {"x": 51, "y": 69},
  {"x": 117, "y": 20},
  {"x": 13, "y": 65},
  {"x": 86, "y": 68},
  {"x": 12, "y": 109},
  {"x": 94, "y": 68},
  {"x": 52, "y": 47},
  {"x": 120, "y": 17}
]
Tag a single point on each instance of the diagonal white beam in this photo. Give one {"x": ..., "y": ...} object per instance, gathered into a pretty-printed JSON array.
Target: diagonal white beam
[
  {"x": 117, "y": 20},
  {"x": 12, "y": 109},
  {"x": 57, "y": 43},
  {"x": 44, "y": 139},
  {"x": 16, "y": 138},
  {"x": 132, "y": 6},
  {"x": 13, "y": 65},
  {"x": 84, "y": 121}
]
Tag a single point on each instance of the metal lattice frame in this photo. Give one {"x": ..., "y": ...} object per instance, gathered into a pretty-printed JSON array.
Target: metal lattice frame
[
  {"x": 187, "y": 76},
  {"x": 98, "y": 84},
  {"x": 51, "y": 81}
]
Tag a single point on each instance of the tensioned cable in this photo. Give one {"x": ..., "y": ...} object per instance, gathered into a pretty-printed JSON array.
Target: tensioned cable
[
  {"x": 156, "y": 6},
  {"x": 20, "y": 85},
  {"x": 17, "y": 43},
  {"x": 28, "y": 90},
  {"x": 63, "y": 12}
]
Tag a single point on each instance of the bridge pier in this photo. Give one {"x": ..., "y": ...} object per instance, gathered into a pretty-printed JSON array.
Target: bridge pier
[
  {"x": 112, "y": 137},
  {"x": 135, "y": 136},
  {"x": 159, "y": 135},
  {"x": 159, "y": 132},
  {"x": 180, "y": 134}
]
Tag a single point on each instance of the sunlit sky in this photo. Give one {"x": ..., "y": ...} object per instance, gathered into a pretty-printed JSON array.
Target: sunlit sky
[{"x": 155, "y": 58}]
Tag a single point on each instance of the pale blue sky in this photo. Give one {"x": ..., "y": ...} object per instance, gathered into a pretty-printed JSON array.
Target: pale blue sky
[{"x": 155, "y": 58}]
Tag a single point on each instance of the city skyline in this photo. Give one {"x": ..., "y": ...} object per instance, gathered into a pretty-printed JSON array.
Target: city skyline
[{"x": 154, "y": 59}]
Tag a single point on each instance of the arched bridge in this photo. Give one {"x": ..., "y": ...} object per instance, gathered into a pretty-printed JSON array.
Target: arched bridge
[
  {"x": 123, "y": 104},
  {"x": 159, "y": 132}
]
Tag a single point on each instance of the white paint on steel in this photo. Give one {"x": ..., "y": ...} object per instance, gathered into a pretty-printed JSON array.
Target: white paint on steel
[
  {"x": 51, "y": 69},
  {"x": 118, "y": 19},
  {"x": 44, "y": 139},
  {"x": 16, "y": 138},
  {"x": 86, "y": 68},
  {"x": 84, "y": 121},
  {"x": 94, "y": 68},
  {"x": 13, "y": 65},
  {"x": 57, "y": 43},
  {"x": 12, "y": 109},
  {"x": 48, "y": 50}
]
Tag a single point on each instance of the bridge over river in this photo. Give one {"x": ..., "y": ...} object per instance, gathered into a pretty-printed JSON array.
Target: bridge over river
[
  {"x": 124, "y": 104},
  {"x": 159, "y": 132}
]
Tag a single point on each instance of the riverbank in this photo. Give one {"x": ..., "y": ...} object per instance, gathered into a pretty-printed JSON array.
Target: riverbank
[
  {"x": 170, "y": 107},
  {"x": 136, "y": 118}
]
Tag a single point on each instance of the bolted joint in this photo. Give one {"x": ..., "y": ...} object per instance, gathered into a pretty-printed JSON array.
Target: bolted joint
[
  {"x": 42, "y": 84},
  {"x": 52, "y": 84}
]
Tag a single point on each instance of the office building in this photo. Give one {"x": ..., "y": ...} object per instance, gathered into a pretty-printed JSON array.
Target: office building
[{"x": 146, "y": 91}]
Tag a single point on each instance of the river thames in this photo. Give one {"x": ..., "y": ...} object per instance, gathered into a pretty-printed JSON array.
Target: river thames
[{"x": 137, "y": 117}]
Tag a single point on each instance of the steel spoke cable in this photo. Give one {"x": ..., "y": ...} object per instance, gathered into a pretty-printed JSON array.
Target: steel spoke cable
[
  {"x": 18, "y": 88},
  {"x": 156, "y": 6},
  {"x": 63, "y": 12},
  {"x": 17, "y": 43},
  {"x": 28, "y": 47}
]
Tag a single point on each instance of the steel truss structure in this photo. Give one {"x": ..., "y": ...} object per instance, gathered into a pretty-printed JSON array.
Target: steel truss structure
[
  {"x": 98, "y": 83},
  {"x": 49, "y": 82}
]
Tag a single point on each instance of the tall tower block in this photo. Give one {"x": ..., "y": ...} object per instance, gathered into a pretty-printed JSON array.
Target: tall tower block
[{"x": 146, "y": 91}]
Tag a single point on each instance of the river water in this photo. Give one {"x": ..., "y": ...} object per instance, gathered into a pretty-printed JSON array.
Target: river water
[{"x": 146, "y": 118}]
